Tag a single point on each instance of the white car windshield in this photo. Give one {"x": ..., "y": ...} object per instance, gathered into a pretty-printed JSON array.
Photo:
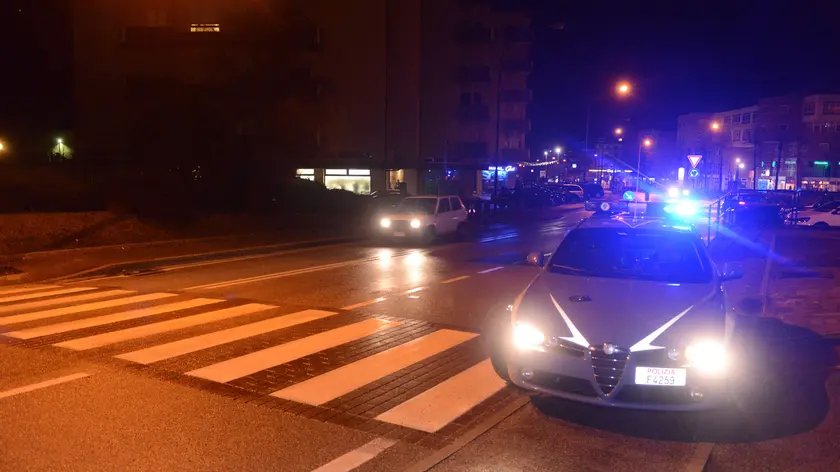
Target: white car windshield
[
  {"x": 632, "y": 254},
  {"x": 426, "y": 206}
]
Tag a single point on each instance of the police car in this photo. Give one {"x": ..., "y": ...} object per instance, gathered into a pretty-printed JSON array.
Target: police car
[{"x": 629, "y": 311}]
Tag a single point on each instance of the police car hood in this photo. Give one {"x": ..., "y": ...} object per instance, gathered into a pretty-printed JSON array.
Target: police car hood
[{"x": 631, "y": 313}]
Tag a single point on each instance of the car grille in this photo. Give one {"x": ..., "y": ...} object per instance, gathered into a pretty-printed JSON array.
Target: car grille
[
  {"x": 564, "y": 383},
  {"x": 400, "y": 226},
  {"x": 608, "y": 368}
]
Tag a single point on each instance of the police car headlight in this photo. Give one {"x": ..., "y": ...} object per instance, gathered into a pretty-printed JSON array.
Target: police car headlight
[
  {"x": 526, "y": 336},
  {"x": 708, "y": 357},
  {"x": 415, "y": 223},
  {"x": 385, "y": 223}
]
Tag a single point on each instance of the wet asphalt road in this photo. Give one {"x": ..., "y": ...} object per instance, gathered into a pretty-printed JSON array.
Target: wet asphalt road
[{"x": 108, "y": 414}]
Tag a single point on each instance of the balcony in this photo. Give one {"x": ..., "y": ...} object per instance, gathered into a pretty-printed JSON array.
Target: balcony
[
  {"x": 473, "y": 113},
  {"x": 515, "y": 154},
  {"x": 517, "y": 66},
  {"x": 518, "y": 35},
  {"x": 516, "y": 126},
  {"x": 473, "y": 74},
  {"x": 516, "y": 96}
]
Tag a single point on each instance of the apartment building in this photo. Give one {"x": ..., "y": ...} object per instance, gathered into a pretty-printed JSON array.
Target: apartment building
[{"x": 359, "y": 95}]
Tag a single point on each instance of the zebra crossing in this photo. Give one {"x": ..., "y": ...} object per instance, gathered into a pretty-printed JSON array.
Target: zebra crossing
[{"x": 330, "y": 363}]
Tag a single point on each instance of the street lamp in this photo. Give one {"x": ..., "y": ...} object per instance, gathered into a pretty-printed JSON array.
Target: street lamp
[
  {"x": 622, "y": 88},
  {"x": 618, "y": 131},
  {"x": 647, "y": 142},
  {"x": 1, "y": 146},
  {"x": 558, "y": 150},
  {"x": 715, "y": 126}
]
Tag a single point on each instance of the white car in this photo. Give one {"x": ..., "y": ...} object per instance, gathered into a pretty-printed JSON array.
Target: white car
[
  {"x": 424, "y": 218},
  {"x": 574, "y": 189},
  {"x": 824, "y": 216}
]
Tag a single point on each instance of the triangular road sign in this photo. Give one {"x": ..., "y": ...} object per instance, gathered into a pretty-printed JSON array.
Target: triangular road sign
[{"x": 694, "y": 160}]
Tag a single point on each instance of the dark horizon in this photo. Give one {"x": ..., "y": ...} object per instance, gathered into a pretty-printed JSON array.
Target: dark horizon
[{"x": 667, "y": 51}]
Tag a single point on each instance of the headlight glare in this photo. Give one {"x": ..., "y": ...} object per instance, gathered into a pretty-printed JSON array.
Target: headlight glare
[
  {"x": 385, "y": 223},
  {"x": 415, "y": 223},
  {"x": 707, "y": 356},
  {"x": 526, "y": 336}
]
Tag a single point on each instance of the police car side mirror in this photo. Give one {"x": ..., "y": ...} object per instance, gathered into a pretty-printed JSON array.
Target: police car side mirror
[
  {"x": 536, "y": 259},
  {"x": 731, "y": 272}
]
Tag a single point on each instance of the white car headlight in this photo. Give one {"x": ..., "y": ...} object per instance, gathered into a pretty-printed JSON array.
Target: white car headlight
[
  {"x": 673, "y": 192},
  {"x": 385, "y": 223},
  {"x": 707, "y": 356},
  {"x": 526, "y": 336},
  {"x": 415, "y": 223}
]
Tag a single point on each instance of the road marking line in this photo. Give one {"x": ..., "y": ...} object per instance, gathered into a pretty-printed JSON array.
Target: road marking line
[
  {"x": 277, "y": 275},
  {"x": 205, "y": 341},
  {"x": 278, "y": 355},
  {"x": 414, "y": 290},
  {"x": 701, "y": 456},
  {"x": 29, "y": 288},
  {"x": 364, "y": 304},
  {"x": 435, "y": 408},
  {"x": 62, "y": 300},
  {"x": 39, "y": 315},
  {"x": 114, "y": 337},
  {"x": 44, "y": 384},
  {"x": 455, "y": 279},
  {"x": 109, "y": 319},
  {"x": 494, "y": 269},
  {"x": 357, "y": 457},
  {"x": 323, "y": 388},
  {"x": 51, "y": 293}
]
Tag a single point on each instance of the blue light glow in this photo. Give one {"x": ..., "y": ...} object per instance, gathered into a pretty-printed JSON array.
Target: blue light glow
[{"x": 682, "y": 208}]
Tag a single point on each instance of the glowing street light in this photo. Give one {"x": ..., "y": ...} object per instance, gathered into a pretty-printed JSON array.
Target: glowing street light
[
  {"x": 618, "y": 131},
  {"x": 623, "y": 88},
  {"x": 715, "y": 126},
  {"x": 737, "y": 159},
  {"x": 647, "y": 142},
  {"x": 741, "y": 165},
  {"x": 558, "y": 150},
  {"x": 1, "y": 146}
]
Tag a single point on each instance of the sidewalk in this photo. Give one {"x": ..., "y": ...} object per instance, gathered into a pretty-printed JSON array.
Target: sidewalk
[{"x": 47, "y": 265}]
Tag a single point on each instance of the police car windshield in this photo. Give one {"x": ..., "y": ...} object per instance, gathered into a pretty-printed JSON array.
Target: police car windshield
[{"x": 632, "y": 254}]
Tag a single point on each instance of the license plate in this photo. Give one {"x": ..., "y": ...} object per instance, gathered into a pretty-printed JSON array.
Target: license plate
[
  {"x": 399, "y": 234},
  {"x": 664, "y": 376}
]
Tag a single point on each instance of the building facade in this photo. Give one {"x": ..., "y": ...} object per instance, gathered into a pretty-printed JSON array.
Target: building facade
[
  {"x": 784, "y": 142},
  {"x": 361, "y": 95}
]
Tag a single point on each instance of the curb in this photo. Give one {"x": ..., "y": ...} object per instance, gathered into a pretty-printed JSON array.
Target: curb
[
  {"x": 30, "y": 255},
  {"x": 232, "y": 252}
]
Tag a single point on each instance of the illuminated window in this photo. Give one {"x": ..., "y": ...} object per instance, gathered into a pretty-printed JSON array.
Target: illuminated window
[{"x": 205, "y": 28}]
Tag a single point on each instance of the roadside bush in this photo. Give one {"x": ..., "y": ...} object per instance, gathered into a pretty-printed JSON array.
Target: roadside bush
[{"x": 46, "y": 189}]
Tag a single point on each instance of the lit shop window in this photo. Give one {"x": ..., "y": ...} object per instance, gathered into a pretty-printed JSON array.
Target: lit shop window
[
  {"x": 205, "y": 28},
  {"x": 352, "y": 180},
  {"x": 306, "y": 174}
]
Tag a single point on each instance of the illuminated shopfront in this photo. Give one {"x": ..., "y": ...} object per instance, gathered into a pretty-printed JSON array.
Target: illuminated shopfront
[
  {"x": 351, "y": 180},
  {"x": 305, "y": 174}
]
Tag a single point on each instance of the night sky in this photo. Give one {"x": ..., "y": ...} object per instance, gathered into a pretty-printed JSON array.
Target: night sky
[{"x": 704, "y": 57}]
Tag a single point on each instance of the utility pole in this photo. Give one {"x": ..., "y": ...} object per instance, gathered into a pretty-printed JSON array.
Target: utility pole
[
  {"x": 498, "y": 118},
  {"x": 778, "y": 165},
  {"x": 720, "y": 171},
  {"x": 387, "y": 76}
]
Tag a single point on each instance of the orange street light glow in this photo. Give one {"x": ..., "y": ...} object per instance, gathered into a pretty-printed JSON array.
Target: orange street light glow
[
  {"x": 715, "y": 126},
  {"x": 647, "y": 143},
  {"x": 623, "y": 88},
  {"x": 618, "y": 131}
]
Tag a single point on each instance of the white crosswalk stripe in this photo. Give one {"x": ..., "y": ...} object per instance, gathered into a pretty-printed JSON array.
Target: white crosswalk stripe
[
  {"x": 323, "y": 388},
  {"x": 383, "y": 346}
]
